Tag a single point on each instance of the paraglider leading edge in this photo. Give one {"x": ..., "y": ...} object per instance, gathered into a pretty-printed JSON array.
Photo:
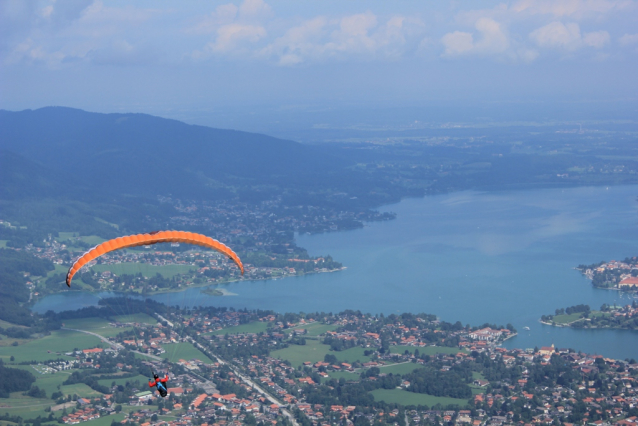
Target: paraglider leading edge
[{"x": 148, "y": 239}]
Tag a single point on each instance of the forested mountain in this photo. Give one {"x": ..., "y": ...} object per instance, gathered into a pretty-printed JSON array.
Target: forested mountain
[{"x": 144, "y": 155}]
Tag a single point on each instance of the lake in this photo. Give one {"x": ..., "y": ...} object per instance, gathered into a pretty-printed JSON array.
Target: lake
[{"x": 475, "y": 257}]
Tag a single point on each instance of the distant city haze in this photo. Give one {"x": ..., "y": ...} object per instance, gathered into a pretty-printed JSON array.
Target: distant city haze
[{"x": 271, "y": 66}]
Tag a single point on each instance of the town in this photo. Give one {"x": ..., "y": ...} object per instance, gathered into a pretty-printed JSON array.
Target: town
[
  {"x": 263, "y": 235},
  {"x": 609, "y": 316},
  {"x": 259, "y": 367},
  {"x": 619, "y": 275}
]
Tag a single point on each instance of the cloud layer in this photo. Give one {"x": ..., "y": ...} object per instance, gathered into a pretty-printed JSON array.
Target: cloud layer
[{"x": 56, "y": 34}]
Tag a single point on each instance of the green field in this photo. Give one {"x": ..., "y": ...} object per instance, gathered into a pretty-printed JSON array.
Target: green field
[
  {"x": 252, "y": 327},
  {"x": 3, "y": 243},
  {"x": 317, "y": 328},
  {"x": 167, "y": 271},
  {"x": 79, "y": 389},
  {"x": 106, "y": 420},
  {"x": 70, "y": 237},
  {"x": 351, "y": 355},
  {"x": 101, "y": 325},
  {"x": 5, "y": 324},
  {"x": 67, "y": 235},
  {"x": 58, "y": 269},
  {"x": 92, "y": 240},
  {"x": 564, "y": 319},
  {"x": 59, "y": 341},
  {"x": 25, "y": 406},
  {"x": 138, "y": 378},
  {"x": 114, "y": 225},
  {"x": 139, "y": 318},
  {"x": 185, "y": 351},
  {"x": 95, "y": 325},
  {"x": 403, "y": 397},
  {"x": 50, "y": 382},
  {"x": 343, "y": 374},
  {"x": 404, "y": 368},
  {"x": 428, "y": 350},
  {"x": 314, "y": 351}
]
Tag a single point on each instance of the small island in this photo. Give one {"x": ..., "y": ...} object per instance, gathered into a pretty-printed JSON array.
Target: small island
[
  {"x": 581, "y": 316},
  {"x": 613, "y": 275}
]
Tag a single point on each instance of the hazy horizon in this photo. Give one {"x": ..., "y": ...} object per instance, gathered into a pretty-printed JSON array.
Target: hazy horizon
[{"x": 246, "y": 64}]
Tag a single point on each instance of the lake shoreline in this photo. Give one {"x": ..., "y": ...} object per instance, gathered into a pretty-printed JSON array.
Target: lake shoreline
[{"x": 474, "y": 257}]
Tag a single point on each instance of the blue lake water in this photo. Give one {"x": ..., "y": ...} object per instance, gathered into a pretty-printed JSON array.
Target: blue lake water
[{"x": 476, "y": 257}]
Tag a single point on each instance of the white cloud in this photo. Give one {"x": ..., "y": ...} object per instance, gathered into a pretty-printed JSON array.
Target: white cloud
[
  {"x": 457, "y": 43},
  {"x": 569, "y": 8},
  {"x": 628, "y": 39},
  {"x": 492, "y": 40},
  {"x": 223, "y": 14},
  {"x": 231, "y": 35},
  {"x": 557, "y": 35},
  {"x": 254, "y": 9},
  {"x": 234, "y": 27},
  {"x": 357, "y": 35},
  {"x": 596, "y": 39}
]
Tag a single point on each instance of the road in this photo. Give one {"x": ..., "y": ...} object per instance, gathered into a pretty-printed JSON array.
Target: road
[
  {"x": 113, "y": 344},
  {"x": 252, "y": 384},
  {"x": 165, "y": 320},
  {"x": 246, "y": 380}
]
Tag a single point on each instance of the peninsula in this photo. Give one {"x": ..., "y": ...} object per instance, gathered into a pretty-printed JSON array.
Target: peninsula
[{"x": 581, "y": 316}]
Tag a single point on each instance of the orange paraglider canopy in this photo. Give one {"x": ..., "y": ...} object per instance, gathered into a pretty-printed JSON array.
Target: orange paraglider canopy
[{"x": 147, "y": 239}]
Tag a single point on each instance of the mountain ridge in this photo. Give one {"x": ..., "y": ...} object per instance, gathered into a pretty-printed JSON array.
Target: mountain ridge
[{"x": 140, "y": 153}]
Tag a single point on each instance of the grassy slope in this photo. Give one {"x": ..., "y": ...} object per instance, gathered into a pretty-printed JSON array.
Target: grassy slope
[
  {"x": 314, "y": 351},
  {"x": 183, "y": 350},
  {"x": 404, "y": 368},
  {"x": 253, "y": 327},
  {"x": 59, "y": 341},
  {"x": 343, "y": 374},
  {"x": 317, "y": 328},
  {"x": 140, "y": 318},
  {"x": 167, "y": 271},
  {"x": 428, "y": 350},
  {"x": 403, "y": 397},
  {"x": 139, "y": 378}
]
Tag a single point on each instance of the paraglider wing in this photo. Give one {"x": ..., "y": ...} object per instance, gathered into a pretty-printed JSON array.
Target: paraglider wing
[{"x": 147, "y": 239}]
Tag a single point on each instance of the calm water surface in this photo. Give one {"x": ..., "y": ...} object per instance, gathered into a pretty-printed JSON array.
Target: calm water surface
[{"x": 498, "y": 257}]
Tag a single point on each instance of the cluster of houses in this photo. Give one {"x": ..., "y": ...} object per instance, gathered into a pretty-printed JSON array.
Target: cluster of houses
[
  {"x": 622, "y": 274},
  {"x": 83, "y": 415}
]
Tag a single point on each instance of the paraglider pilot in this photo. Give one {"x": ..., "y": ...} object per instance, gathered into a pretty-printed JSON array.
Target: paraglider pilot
[{"x": 160, "y": 384}]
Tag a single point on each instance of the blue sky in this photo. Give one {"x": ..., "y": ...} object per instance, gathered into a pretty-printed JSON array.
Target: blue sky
[{"x": 167, "y": 57}]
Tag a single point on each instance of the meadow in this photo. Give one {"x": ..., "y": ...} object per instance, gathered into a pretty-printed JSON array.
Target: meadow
[
  {"x": 79, "y": 389},
  {"x": 185, "y": 351},
  {"x": 317, "y": 328},
  {"x": 50, "y": 382},
  {"x": 403, "y": 397},
  {"x": 427, "y": 350},
  {"x": 25, "y": 406},
  {"x": 46, "y": 348},
  {"x": 139, "y": 378},
  {"x": 139, "y": 318},
  {"x": 403, "y": 368},
  {"x": 314, "y": 351},
  {"x": 95, "y": 325},
  {"x": 565, "y": 319},
  {"x": 167, "y": 271},
  {"x": 343, "y": 375},
  {"x": 251, "y": 327}
]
